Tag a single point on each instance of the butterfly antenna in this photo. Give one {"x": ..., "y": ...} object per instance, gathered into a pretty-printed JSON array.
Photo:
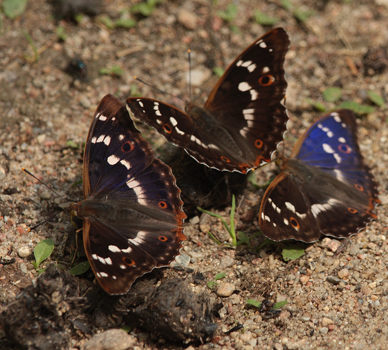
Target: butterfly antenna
[
  {"x": 157, "y": 89},
  {"x": 43, "y": 222},
  {"x": 40, "y": 181},
  {"x": 189, "y": 58}
]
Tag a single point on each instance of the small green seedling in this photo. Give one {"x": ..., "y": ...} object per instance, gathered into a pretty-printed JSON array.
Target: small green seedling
[
  {"x": 376, "y": 99},
  {"x": 145, "y": 8},
  {"x": 115, "y": 71},
  {"x": 265, "y": 20},
  {"x": 14, "y": 8},
  {"x": 356, "y": 107},
  {"x": 230, "y": 13},
  {"x": 61, "y": 33},
  {"x": 299, "y": 14},
  {"x": 292, "y": 252},
  {"x": 35, "y": 57},
  {"x": 332, "y": 94},
  {"x": 236, "y": 241},
  {"x": 80, "y": 268},
  {"x": 41, "y": 252},
  {"x": 213, "y": 283},
  {"x": 257, "y": 304},
  {"x": 218, "y": 71}
]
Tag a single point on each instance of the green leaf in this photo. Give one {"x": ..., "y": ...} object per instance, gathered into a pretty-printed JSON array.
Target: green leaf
[
  {"x": 42, "y": 251},
  {"x": 254, "y": 303},
  {"x": 14, "y": 8},
  {"x": 125, "y": 23},
  {"x": 218, "y": 71},
  {"x": 71, "y": 144},
  {"x": 357, "y": 107},
  {"x": 80, "y": 268},
  {"x": 302, "y": 15},
  {"x": 332, "y": 94},
  {"x": 106, "y": 21},
  {"x": 376, "y": 99},
  {"x": 219, "y": 276},
  {"x": 211, "y": 284},
  {"x": 114, "y": 70},
  {"x": 286, "y": 4},
  {"x": 127, "y": 328},
  {"x": 35, "y": 58},
  {"x": 280, "y": 304},
  {"x": 265, "y": 20},
  {"x": 292, "y": 252},
  {"x": 61, "y": 33},
  {"x": 230, "y": 13}
]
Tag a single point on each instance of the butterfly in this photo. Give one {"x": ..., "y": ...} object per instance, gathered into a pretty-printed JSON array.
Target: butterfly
[
  {"x": 243, "y": 118},
  {"x": 324, "y": 188},
  {"x": 132, "y": 212}
]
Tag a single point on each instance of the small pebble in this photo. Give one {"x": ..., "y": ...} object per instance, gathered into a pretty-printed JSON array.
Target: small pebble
[
  {"x": 23, "y": 268},
  {"x": 343, "y": 274},
  {"x": 226, "y": 261},
  {"x": 187, "y": 19},
  {"x": 113, "y": 339},
  {"x": 326, "y": 321},
  {"x": 225, "y": 289},
  {"x": 324, "y": 330},
  {"x": 23, "y": 252},
  {"x": 194, "y": 220},
  {"x": 334, "y": 280},
  {"x": 304, "y": 279}
]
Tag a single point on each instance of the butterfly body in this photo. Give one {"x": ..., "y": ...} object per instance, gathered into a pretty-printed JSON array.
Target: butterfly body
[
  {"x": 243, "y": 118},
  {"x": 325, "y": 188},
  {"x": 132, "y": 212}
]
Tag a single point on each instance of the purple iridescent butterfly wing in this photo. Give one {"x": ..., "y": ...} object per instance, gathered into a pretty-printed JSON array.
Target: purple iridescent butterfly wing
[
  {"x": 325, "y": 188},
  {"x": 132, "y": 212},
  {"x": 243, "y": 119}
]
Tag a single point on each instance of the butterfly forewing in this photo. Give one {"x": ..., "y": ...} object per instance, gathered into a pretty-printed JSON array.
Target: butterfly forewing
[
  {"x": 243, "y": 119},
  {"x": 329, "y": 175},
  {"x": 132, "y": 209}
]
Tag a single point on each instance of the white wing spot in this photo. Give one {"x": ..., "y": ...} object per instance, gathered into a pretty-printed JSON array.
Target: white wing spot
[
  {"x": 112, "y": 160},
  {"x": 107, "y": 140},
  {"x": 114, "y": 277},
  {"x": 262, "y": 44},
  {"x": 290, "y": 206},
  {"x": 265, "y": 70},
  {"x": 179, "y": 131},
  {"x": 135, "y": 186},
  {"x": 94, "y": 139},
  {"x": 286, "y": 222},
  {"x": 341, "y": 139},
  {"x": 244, "y": 86},
  {"x": 254, "y": 95},
  {"x": 108, "y": 261},
  {"x": 100, "y": 138},
  {"x": 173, "y": 121},
  {"x": 127, "y": 251},
  {"x": 121, "y": 137},
  {"x": 103, "y": 274},
  {"x": 102, "y": 118},
  {"x": 94, "y": 256},
  {"x": 239, "y": 63},
  {"x": 140, "y": 103},
  {"x": 327, "y": 148},
  {"x": 125, "y": 163},
  {"x": 114, "y": 249},
  {"x": 159, "y": 121},
  {"x": 122, "y": 267},
  {"x": 318, "y": 208}
]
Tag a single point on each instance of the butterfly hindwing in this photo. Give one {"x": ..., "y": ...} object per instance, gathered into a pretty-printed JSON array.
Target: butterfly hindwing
[{"x": 132, "y": 209}]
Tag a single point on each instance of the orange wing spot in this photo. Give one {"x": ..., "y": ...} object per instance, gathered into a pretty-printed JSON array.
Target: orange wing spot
[
  {"x": 344, "y": 148},
  {"x": 129, "y": 262},
  {"x": 167, "y": 128},
  {"x": 259, "y": 143},
  {"x": 359, "y": 187},
  {"x": 128, "y": 146},
  {"x": 225, "y": 159},
  {"x": 163, "y": 204},
  {"x": 266, "y": 80},
  {"x": 294, "y": 223},
  {"x": 352, "y": 210},
  {"x": 163, "y": 238}
]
